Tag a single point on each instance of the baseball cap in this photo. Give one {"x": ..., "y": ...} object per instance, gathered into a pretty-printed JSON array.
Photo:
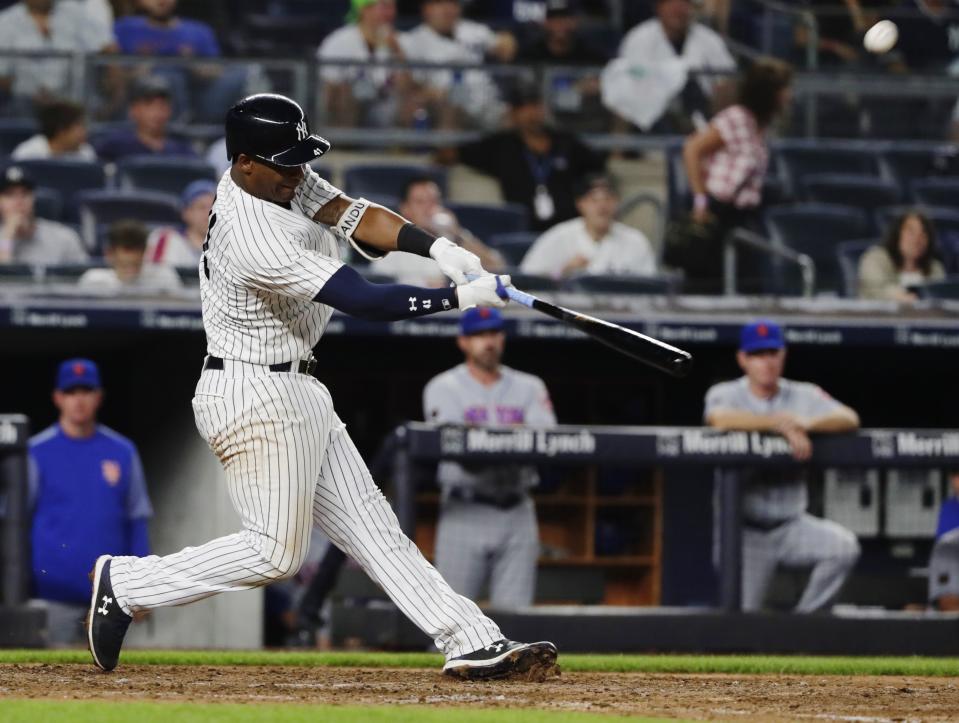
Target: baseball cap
[
  {"x": 195, "y": 189},
  {"x": 561, "y": 8},
  {"x": 150, "y": 86},
  {"x": 593, "y": 181},
  {"x": 78, "y": 373},
  {"x": 480, "y": 318},
  {"x": 759, "y": 335},
  {"x": 16, "y": 176}
]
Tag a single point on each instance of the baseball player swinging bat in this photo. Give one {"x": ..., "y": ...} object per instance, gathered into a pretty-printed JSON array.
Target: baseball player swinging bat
[{"x": 655, "y": 353}]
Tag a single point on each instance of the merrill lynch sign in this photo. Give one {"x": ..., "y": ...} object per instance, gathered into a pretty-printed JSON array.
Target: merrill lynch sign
[
  {"x": 693, "y": 442},
  {"x": 455, "y": 440}
]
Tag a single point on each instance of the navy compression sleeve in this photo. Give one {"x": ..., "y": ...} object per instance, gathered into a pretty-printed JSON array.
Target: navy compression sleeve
[{"x": 349, "y": 292}]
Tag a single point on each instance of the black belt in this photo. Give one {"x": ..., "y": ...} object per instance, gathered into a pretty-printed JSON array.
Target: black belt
[
  {"x": 303, "y": 366},
  {"x": 501, "y": 502}
]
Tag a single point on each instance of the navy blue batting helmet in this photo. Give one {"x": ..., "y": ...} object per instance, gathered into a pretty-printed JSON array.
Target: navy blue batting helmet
[{"x": 272, "y": 128}]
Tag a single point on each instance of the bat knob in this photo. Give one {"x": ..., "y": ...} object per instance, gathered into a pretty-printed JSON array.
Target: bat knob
[{"x": 682, "y": 365}]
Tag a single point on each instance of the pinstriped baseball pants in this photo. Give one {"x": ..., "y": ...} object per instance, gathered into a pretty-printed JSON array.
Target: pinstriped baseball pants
[{"x": 290, "y": 464}]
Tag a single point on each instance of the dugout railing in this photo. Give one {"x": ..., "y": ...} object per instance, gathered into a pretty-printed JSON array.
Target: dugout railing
[{"x": 418, "y": 442}]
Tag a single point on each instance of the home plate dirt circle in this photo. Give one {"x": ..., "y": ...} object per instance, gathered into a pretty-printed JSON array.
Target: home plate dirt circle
[{"x": 718, "y": 697}]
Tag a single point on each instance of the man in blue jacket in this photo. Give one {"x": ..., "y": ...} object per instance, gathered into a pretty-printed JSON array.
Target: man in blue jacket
[{"x": 87, "y": 494}]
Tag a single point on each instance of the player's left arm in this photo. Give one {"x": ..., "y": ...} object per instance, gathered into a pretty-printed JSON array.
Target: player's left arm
[
  {"x": 374, "y": 231},
  {"x": 842, "y": 419}
]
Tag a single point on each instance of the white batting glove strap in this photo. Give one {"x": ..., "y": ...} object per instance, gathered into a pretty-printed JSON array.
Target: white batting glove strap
[
  {"x": 455, "y": 261},
  {"x": 484, "y": 291}
]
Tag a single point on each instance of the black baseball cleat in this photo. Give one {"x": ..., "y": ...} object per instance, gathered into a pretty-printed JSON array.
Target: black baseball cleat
[
  {"x": 504, "y": 659},
  {"x": 106, "y": 623}
]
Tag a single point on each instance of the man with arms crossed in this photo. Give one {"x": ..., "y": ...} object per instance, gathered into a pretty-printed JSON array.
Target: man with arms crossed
[
  {"x": 270, "y": 277},
  {"x": 776, "y": 527}
]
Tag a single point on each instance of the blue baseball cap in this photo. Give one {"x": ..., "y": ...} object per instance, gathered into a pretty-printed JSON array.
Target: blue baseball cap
[
  {"x": 78, "y": 373},
  {"x": 760, "y": 335},
  {"x": 480, "y": 318},
  {"x": 195, "y": 189}
]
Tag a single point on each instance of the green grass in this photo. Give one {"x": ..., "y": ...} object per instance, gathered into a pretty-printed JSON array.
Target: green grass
[
  {"x": 735, "y": 664},
  {"x": 32, "y": 711}
]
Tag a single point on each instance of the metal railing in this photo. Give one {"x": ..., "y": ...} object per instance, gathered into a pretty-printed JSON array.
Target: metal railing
[{"x": 740, "y": 236}]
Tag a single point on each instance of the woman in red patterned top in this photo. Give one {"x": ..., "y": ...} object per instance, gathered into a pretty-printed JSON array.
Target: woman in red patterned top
[{"x": 726, "y": 161}]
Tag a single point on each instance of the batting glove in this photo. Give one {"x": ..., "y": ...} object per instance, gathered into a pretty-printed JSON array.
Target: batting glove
[
  {"x": 455, "y": 261},
  {"x": 484, "y": 291}
]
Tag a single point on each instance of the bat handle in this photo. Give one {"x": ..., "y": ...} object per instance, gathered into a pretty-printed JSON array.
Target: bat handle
[{"x": 520, "y": 297}]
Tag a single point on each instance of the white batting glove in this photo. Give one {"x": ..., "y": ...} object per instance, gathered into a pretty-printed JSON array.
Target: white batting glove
[
  {"x": 455, "y": 261},
  {"x": 484, "y": 291}
]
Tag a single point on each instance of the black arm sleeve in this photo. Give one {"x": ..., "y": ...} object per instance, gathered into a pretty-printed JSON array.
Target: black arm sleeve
[{"x": 349, "y": 292}]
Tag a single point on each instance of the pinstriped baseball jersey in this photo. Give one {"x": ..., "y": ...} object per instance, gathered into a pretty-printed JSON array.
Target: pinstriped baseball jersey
[{"x": 262, "y": 266}]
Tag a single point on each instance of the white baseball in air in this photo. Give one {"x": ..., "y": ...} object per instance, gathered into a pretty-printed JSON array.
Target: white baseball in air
[{"x": 881, "y": 37}]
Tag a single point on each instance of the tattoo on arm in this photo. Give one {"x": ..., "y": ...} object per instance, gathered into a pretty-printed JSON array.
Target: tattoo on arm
[{"x": 331, "y": 211}]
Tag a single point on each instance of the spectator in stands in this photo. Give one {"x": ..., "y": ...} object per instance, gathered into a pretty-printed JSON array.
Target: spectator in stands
[
  {"x": 77, "y": 466},
  {"x": 26, "y": 239},
  {"x": 928, "y": 35},
  {"x": 534, "y": 163},
  {"x": 150, "y": 110},
  {"x": 906, "y": 260},
  {"x": 559, "y": 41},
  {"x": 777, "y": 529},
  {"x": 204, "y": 89},
  {"x": 457, "y": 97},
  {"x": 125, "y": 252},
  {"x": 840, "y": 33},
  {"x": 364, "y": 95},
  {"x": 673, "y": 36},
  {"x": 183, "y": 246},
  {"x": 594, "y": 243},
  {"x": 725, "y": 166},
  {"x": 422, "y": 204},
  {"x": 63, "y": 134},
  {"x": 45, "y": 25}
]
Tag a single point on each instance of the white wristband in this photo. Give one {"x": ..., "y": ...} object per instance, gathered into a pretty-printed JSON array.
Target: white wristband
[{"x": 349, "y": 221}]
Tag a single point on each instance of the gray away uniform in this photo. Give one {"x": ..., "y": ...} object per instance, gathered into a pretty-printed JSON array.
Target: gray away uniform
[
  {"x": 777, "y": 530},
  {"x": 487, "y": 525}
]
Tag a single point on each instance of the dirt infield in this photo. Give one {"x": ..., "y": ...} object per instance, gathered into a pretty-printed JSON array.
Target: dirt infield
[{"x": 708, "y": 697}]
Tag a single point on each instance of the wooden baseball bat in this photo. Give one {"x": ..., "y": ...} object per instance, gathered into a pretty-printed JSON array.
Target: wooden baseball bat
[{"x": 657, "y": 354}]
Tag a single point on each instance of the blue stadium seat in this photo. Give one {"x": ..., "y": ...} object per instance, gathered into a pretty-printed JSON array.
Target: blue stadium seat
[
  {"x": 70, "y": 178},
  {"x": 14, "y": 131},
  {"x": 370, "y": 180},
  {"x": 47, "y": 203},
  {"x": 865, "y": 192},
  {"x": 848, "y": 254},
  {"x": 322, "y": 170},
  {"x": 816, "y": 229},
  {"x": 486, "y": 220},
  {"x": 532, "y": 282},
  {"x": 798, "y": 159},
  {"x": 948, "y": 288},
  {"x": 622, "y": 284},
  {"x": 936, "y": 191},
  {"x": 167, "y": 174},
  {"x": 513, "y": 245},
  {"x": 906, "y": 164},
  {"x": 100, "y": 208}
]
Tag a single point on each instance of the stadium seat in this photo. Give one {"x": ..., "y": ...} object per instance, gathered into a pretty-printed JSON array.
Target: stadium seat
[
  {"x": 265, "y": 34},
  {"x": 623, "y": 284},
  {"x": 945, "y": 289},
  {"x": 816, "y": 229},
  {"x": 936, "y": 191},
  {"x": 47, "y": 203},
  {"x": 905, "y": 165},
  {"x": 322, "y": 170},
  {"x": 100, "y": 208},
  {"x": 865, "y": 192},
  {"x": 798, "y": 159},
  {"x": 70, "y": 273},
  {"x": 848, "y": 254},
  {"x": 70, "y": 178},
  {"x": 14, "y": 131},
  {"x": 487, "y": 220},
  {"x": 167, "y": 174},
  {"x": 370, "y": 180},
  {"x": 512, "y": 245}
]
